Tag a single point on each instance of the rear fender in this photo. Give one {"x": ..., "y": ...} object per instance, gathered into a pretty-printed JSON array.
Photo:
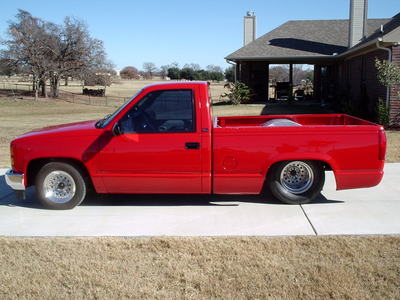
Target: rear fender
[{"x": 324, "y": 158}]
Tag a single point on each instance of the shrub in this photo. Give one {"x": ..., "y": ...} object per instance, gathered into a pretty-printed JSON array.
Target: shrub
[
  {"x": 383, "y": 113},
  {"x": 238, "y": 92}
]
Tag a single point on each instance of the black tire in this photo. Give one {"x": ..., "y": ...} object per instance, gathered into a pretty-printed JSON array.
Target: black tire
[
  {"x": 71, "y": 186},
  {"x": 285, "y": 188}
]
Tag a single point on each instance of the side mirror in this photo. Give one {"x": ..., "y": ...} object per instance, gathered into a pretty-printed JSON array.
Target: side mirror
[{"x": 116, "y": 129}]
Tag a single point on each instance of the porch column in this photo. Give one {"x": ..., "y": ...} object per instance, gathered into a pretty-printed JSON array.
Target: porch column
[
  {"x": 259, "y": 80},
  {"x": 290, "y": 82},
  {"x": 317, "y": 82},
  {"x": 267, "y": 79},
  {"x": 237, "y": 72}
]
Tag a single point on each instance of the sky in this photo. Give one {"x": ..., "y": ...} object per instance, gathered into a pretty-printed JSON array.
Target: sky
[{"x": 167, "y": 31}]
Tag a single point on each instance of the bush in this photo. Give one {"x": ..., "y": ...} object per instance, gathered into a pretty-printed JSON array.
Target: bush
[
  {"x": 230, "y": 74},
  {"x": 174, "y": 73},
  {"x": 238, "y": 92},
  {"x": 388, "y": 73},
  {"x": 187, "y": 73},
  {"x": 383, "y": 113},
  {"x": 129, "y": 73},
  {"x": 93, "y": 92},
  {"x": 216, "y": 76}
]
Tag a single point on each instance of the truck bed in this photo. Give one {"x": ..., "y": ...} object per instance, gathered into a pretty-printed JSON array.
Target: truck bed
[
  {"x": 302, "y": 120},
  {"x": 245, "y": 148}
]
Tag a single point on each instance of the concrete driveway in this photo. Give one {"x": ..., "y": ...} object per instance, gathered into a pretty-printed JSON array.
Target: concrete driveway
[{"x": 364, "y": 211}]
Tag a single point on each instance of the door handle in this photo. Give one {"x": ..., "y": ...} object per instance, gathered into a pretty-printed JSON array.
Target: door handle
[{"x": 192, "y": 146}]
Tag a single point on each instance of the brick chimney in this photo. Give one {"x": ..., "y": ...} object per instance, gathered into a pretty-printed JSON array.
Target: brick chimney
[
  {"x": 249, "y": 28},
  {"x": 357, "y": 21}
]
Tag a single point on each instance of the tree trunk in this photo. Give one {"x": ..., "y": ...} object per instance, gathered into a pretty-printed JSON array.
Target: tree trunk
[
  {"x": 55, "y": 85},
  {"x": 36, "y": 88},
  {"x": 43, "y": 87},
  {"x": 66, "y": 81},
  {"x": 34, "y": 83}
]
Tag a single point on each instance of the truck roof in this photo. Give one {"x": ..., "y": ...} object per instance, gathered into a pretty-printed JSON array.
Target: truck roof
[{"x": 180, "y": 83}]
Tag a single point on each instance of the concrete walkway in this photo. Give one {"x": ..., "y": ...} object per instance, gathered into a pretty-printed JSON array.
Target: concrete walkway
[{"x": 364, "y": 211}]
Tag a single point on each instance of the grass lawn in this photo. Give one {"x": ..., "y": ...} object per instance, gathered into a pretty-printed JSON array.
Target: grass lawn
[
  {"x": 393, "y": 146},
  {"x": 332, "y": 267},
  {"x": 19, "y": 116}
]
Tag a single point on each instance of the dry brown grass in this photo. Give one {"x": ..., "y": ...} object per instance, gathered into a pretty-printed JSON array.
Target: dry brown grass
[
  {"x": 393, "y": 146},
  {"x": 20, "y": 116},
  {"x": 201, "y": 268}
]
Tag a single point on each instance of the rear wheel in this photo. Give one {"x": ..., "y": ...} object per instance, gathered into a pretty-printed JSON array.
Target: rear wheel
[
  {"x": 60, "y": 186},
  {"x": 296, "y": 182}
]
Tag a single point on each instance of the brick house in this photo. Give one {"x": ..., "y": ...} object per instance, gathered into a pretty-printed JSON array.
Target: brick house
[{"x": 342, "y": 52}]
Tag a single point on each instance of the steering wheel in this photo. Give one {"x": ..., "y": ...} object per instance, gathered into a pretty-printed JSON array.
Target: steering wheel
[{"x": 147, "y": 121}]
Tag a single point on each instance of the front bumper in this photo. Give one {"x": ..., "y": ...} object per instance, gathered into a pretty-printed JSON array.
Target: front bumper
[{"x": 15, "y": 180}]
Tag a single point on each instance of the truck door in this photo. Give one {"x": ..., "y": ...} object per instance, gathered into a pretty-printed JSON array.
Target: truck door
[{"x": 158, "y": 150}]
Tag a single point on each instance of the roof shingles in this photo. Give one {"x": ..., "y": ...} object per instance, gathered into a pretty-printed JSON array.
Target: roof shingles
[{"x": 303, "y": 38}]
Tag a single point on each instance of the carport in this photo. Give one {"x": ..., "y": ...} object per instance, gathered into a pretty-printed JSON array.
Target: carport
[
  {"x": 344, "y": 68},
  {"x": 255, "y": 73}
]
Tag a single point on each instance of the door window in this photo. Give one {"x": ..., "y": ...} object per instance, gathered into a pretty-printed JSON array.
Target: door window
[{"x": 161, "y": 111}]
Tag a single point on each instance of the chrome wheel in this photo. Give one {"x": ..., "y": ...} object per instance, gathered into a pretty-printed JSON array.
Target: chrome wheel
[
  {"x": 59, "y": 187},
  {"x": 297, "y": 177}
]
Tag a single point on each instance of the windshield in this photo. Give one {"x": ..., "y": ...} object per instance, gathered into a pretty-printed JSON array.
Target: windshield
[{"x": 107, "y": 119}]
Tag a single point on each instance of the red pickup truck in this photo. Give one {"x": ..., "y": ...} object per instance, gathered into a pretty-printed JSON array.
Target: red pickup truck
[{"x": 164, "y": 140}]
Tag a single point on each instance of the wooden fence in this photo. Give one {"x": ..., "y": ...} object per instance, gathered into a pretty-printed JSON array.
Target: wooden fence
[{"x": 70, "y": 96}]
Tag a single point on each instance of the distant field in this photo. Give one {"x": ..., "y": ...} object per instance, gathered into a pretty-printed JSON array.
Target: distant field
[{"x": 120, "y": 88}]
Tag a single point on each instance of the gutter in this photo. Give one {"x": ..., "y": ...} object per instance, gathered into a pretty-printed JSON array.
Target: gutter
[
  {"x": 389, "y": 51},
  {"x": 291, "y": 58}
]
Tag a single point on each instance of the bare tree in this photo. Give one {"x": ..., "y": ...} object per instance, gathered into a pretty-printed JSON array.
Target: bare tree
[
  {"x": 28, "y": 46},
  {"x": 174, "y": 65},
  {"x": 51, "y": 51},
  {"x": 195, "y": 67},
  {"x": 279, "y": 73},
  {"x": 74, "y": 51},
  {"x": 129, "y": 73},
  {"x": 8, "y": 66},
  {"x": 150, "y": 68},
  {"x": 164, "y": 71},
  {"x": 300, "y": 74},
  {"x": 214, "y": 68}
]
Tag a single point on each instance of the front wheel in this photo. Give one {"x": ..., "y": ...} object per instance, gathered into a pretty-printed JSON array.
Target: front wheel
[
  {"x": 296, "y": 182},
  {"x": 60, "y": 186}
]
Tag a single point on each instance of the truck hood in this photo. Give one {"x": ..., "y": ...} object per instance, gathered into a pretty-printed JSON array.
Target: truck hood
[{"x": 78, "y": 128}]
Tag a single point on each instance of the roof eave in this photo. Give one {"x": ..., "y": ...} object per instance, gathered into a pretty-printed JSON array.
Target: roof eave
[
  {"x": 286, "y": 59},
  {"x": 357, "y": 50}
]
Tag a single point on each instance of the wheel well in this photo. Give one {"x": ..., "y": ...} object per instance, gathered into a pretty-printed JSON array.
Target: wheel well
[
  {"x": 265, "y": 190},
  {"x": 35, "y": 165},
  {"x": 324, "y": 164}
]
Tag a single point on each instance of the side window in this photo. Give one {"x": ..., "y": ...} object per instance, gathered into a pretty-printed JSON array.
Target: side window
[{"x": 161, "y": 111}]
